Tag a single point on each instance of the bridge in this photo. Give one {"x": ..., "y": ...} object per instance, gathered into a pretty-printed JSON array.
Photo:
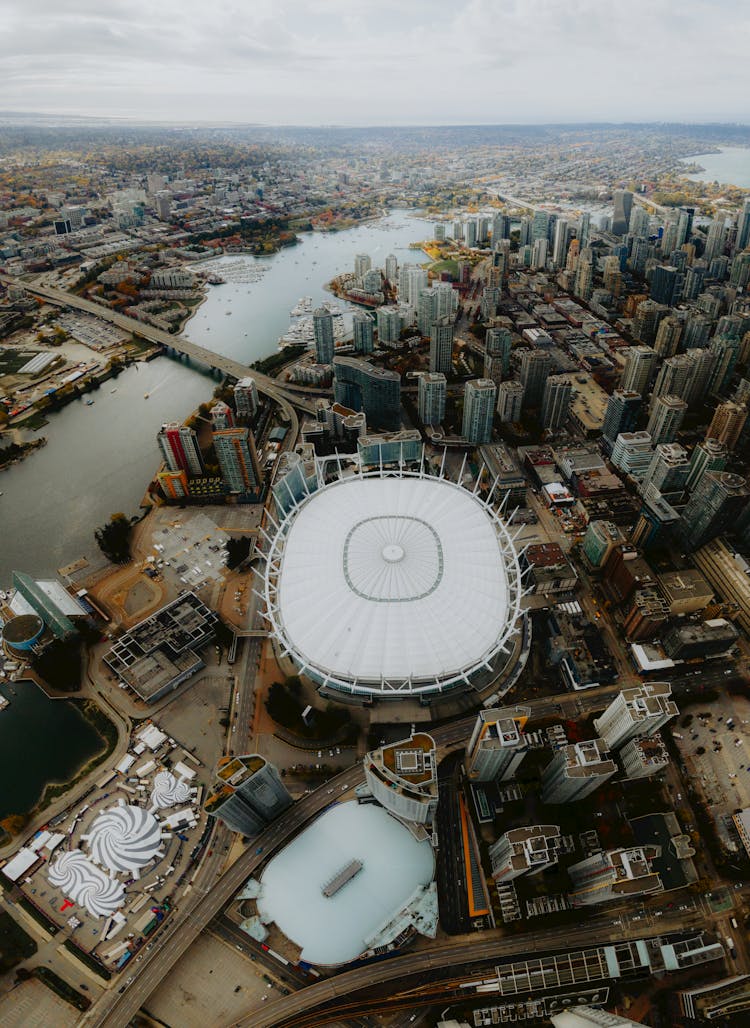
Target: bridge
[{"x": 270, "y": 387}]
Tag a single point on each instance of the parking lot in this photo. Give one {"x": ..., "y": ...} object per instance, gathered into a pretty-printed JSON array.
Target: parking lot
[{"x": 718, "y": 757}]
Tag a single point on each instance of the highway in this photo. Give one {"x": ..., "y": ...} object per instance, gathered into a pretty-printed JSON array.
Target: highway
[
  {"x": 267, "y": 385},
  {"x": 480, "y": 952},
  {"x": 193, "y": 913}
]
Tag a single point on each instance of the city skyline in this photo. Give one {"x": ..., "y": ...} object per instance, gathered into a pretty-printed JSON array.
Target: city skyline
[{"x": 280, "y": 65}]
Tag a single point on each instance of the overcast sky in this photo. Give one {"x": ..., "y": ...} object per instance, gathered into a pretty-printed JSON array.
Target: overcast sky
[{"x": 383, "y": 62}]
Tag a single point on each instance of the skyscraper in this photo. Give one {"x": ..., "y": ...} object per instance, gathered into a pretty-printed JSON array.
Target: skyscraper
[
  {"x": 391, "y": 269},
  {"x": 323, "y": 333},
  {"x": 668, "y": 337},
  {"x": 497, "y": 745},
  {"x": 427, "y": 310},
  {"x": 668, "y": 472},
  {"x": 497, "y": 343},
  {"x": 441, "y": 346},
  {"x": 524, "y": 851},
  {"x": 666, "y": 418},
  {"x": 621, "y": 414},
  {"x": 642, "y": 710},
  {"x": 249, "y": 794},
  {"x": 403, "y": 778},
  {"x": 632, "y": 453},
  {"x": 479, "y": 408},
  {"x": 509, "y": 402},
  {"x": 556, "y": 402},
  {"x": 431, "y": 401},
  {"x": 362, "y": 386},
  {"x": 710, "y": 455},
  {"x": 727, "y": 423},
  {"x": 666, "y": 285},
  {"x": 364, "y": 332},
  {"x": 536, "y": 365},
  {"x": 640, "y": 364},
  {"x": 715, "y": 506},
  {"x": 584, "y": 230},
  {"x": 742, "y": 239},
  {"x": 575, "y": 771},
  {"x": 179, "y": 447},
  {"x": 726, "y": 351},
  {"x": 623, "y": 204},
  {"x": 238, "y": 460},
  {"x": 362, "y": 264},
  {"x": 648, "y": 314}
]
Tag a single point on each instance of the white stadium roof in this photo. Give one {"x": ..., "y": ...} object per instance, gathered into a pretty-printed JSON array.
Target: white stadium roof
[
  {"x": 335, "y": 929},
  {"x": 393, "y": 584}
]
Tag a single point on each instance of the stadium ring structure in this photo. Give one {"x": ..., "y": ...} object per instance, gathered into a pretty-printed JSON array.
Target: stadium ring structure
[{"x": 390, "y": 584}]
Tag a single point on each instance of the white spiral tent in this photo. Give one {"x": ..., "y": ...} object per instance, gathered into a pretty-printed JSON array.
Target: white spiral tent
[
  {"x": 168, "y": 791},
  {"x": 393, "y": 584},
  {"x": 87, "y": 885},
  {"x": 124, "y": 838}
]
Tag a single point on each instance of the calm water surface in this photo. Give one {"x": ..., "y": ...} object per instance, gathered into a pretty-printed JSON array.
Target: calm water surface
[{"x": 730, "y": 167}]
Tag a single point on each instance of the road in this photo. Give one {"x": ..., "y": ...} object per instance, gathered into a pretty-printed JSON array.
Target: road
[
  {"x": 194, "y": 912},
  {"x": 479, "y": 951},
  {"x": 267, "y": 385}
]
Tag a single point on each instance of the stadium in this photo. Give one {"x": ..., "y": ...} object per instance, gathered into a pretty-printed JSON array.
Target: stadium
[{"x": 391, "y": 585}]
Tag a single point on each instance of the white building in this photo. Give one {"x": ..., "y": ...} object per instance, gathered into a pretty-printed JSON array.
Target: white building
[
  {"x": 614, "y": 874},
  {"x": 576, "y": 770},
  {"x": 403, "y": 778},
  {"x": 524, "y": 851},
  {"x": 639, "y": 711},
  {"x": 642, "y": 758},
  {"x": 497, "y": 745}
]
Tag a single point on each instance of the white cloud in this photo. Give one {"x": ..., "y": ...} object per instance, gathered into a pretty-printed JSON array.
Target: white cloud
[{"x": 386, "y": 62}]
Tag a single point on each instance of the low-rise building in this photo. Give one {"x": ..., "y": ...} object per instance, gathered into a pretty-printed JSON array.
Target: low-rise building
[
  {"x": 700, "y": 639},
  {"x": 552, "y": 572},
  {"x": 685, "y": 591},
  {"x": 162, "y": 651}
]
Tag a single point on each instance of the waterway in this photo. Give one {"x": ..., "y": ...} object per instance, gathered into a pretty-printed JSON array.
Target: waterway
[
  {"x": 41, "y": 740},
  {"x": 100, "y": 458},
  {"x": 730, "y": 167}
]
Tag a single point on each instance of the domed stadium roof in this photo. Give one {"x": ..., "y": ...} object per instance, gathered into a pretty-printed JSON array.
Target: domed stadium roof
[{"x": 391, "y": 584}]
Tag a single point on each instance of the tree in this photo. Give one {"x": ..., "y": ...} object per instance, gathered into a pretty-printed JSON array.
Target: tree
[
  {"x": 237, "y": 551},
  {"x": 114, "y": 539}
]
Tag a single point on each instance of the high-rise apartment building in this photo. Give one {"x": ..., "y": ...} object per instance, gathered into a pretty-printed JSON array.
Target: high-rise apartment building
[
  {"x": 668, "y": 472},
  {"x": 742, "y": 239},
  {"x": 643, "y": 756},
  {"x": 431, "y": 398},
  {"x": 245, "y": 399},
  {"x": 479, "y": 409},
  {"x": 640, "y": 364},
  {"x": 362, "y": 264},
  {"x": 497, "y": 745},
  {"x": 497, "y": 346},
  {"x": 536, "y": 366},
  {"x": 524, "y": 851},
  {"x": 238, "y": 459},
  {"x": 390, "y": 323},
  {"x": 364, "y": 332},
  {"x": 560, "y": 244},
  {"x": 727, "y": 423},
  {"x": 576, "y": 770},
  {"x": 509, "y": 402},
  {"x": 632, "y": 453},
  {"x": 375, "y": 390},
  {"x": 639, "y": 711},
  {"x": 403, "y": 778},
  {"x": 249, "y": 794},
  {"x": 179, "y": 447},
  {"x": 323, "y": 334},
  {"x": 621, "y": 414},
  {"x": 600, "y": 538},
  {"x": 726, "y": 352},
  {"x": 609, "y": 875},
  {"x": 391, "y": 269},
  {"x": 710, "y": 455},
  {"x": 667, "y": 415},
  {"x": 441, "y": 346},
  {"x": 558, "y": 391},
  {"x": 715, "y": 506},
  {"x": 668, "y": 337}
]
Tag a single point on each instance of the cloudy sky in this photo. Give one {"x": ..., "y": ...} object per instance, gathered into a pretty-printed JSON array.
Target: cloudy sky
[{"x": 384, "y": 62}]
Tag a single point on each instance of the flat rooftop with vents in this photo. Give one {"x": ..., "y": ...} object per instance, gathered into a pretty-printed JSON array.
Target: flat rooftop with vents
[{"x": 161, "y": 652}]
